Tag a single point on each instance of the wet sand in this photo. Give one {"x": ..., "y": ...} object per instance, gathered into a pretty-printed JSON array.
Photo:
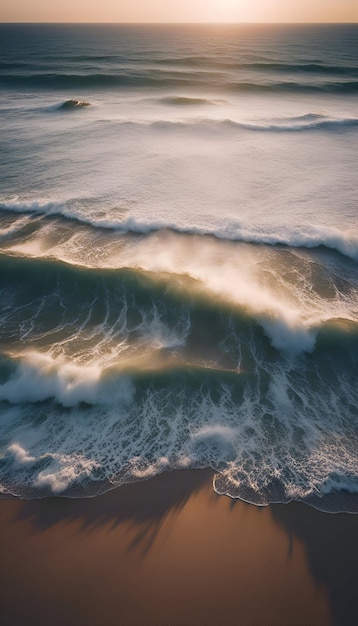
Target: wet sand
[{"x": 169, "y": 551}]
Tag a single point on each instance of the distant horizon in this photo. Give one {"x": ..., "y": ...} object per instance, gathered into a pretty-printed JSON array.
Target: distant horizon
[
  {"x": 185, "y": 12},
  {"x": 192, "y": 23}
]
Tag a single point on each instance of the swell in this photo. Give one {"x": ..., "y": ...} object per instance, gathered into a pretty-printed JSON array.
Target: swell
[
  {"x": 346, "y": 87},
  {"x": 303, "y": 123},
  {"x": 204, "y": 62},
  {"x": 159, "y": 79},
  {"x": 185, "y": 101},
  {"x": 299, "y": 124},
  {"x": 261, "y": 66}
]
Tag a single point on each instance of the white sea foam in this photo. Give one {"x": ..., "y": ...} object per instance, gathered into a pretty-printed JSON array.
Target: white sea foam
[
  {"x": 244, "y": 277},
  {"x": 63, "y": 471},
  {"x": 289, "y": 304},
  {"x": 276, "y": 434},
  {"x": 21, "y": 456},
  {"x": 212, "y": 441},
  {"x": 294, "y": 235},
  {"x": 8, "y": 231},
  {"x": 140, "y": 469},
  {"x": 42, "y": 207},
  {"x": 39, "y": 377}
]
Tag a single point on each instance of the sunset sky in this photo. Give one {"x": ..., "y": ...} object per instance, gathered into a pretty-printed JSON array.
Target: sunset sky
[{"x": 179, "y": 11}]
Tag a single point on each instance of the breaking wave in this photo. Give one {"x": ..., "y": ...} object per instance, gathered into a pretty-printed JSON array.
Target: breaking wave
[
  {"x": 272, "y": 437},
  {"x": 346, "y": 243},
  {"x": 111, "y": 376}
]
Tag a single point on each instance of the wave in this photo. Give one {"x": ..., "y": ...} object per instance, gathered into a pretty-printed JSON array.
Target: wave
[
  {"x": 8, "y": 232},
  {"x": 308, "y": 122},
  {"x": 70, "y": 105},
  {"x": 347, "y": 87},
  {"x": 309, "y": 68},
  {"x": 40, "y": 377},
  {"x": 185, "y": 101},
  {"x": 152, "y": 283},
  {"x": 262, "y": 65},
  {"x": 111, "y": 376},
  {"x": 154, "y": 67},
  {"x": 155, "y": 78},
  {"x": 125, "y": 79},
  {"x": 272, "y": 434},
  {"x": 302, "y": 123},
  {"x": 296, "y": 236}
]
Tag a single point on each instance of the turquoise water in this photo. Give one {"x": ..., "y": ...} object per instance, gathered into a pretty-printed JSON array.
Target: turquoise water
[{"x": 178, "y": 259}]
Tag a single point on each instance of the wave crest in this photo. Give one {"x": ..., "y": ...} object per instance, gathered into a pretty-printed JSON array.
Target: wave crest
[
  {"x": 304, "y": 123},
  {"x": 296, "y": 236},
  {"x": 40, "y": 377},
  {"x": 71, "y": 105}
]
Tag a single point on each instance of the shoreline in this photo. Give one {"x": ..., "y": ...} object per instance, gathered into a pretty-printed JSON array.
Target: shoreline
[{"x": 170, "y": 551}]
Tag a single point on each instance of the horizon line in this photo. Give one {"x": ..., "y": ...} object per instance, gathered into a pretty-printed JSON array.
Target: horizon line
[{"x": 196, "y": 23}]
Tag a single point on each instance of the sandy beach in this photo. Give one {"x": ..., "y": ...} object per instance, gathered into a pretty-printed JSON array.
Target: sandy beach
[{"x": 170, "y": 551}]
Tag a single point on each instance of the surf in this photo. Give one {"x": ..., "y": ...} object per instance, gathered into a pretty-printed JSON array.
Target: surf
[
  {"x": 296, "y": 236},
  {"x": 261, "y": 431}
]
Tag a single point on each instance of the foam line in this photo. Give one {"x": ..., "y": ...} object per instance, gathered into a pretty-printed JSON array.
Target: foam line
[{"x": 344, "y": 242}]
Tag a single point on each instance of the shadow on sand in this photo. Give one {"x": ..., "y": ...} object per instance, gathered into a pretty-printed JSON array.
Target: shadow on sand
[
  {"x": 330, "y": 540},
  {"x": 144, "y": 504},
  {"x": 331, "y": 543}
]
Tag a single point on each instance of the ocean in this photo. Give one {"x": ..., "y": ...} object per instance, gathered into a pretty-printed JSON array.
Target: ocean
[{"x": 178, "y": 259}]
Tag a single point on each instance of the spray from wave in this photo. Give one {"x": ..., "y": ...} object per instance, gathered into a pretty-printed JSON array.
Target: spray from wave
[{"x": 296, "y": 236}]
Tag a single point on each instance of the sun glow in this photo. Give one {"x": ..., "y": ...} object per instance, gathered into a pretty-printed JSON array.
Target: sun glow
[
  {"x": 227, "y": 10},
  {"x": 185, "y": 11}
]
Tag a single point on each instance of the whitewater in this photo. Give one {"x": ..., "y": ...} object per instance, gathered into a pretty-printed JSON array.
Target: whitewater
[{"x": 178, "y": 259}]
